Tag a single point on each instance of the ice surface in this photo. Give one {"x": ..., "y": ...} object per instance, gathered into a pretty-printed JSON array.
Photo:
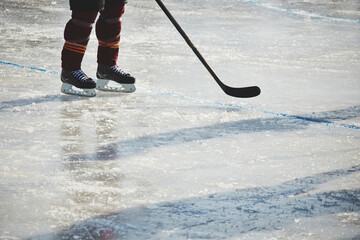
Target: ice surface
[{"x": 178, "y": 159}]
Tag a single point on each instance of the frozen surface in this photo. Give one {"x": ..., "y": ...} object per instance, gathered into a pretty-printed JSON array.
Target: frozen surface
[{"x": 178, "y": 159}]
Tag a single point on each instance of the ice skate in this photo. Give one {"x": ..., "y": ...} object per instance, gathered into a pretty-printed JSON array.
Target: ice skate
[
  {"x": 113, "y": 79},
  {"x": 77, "y": 83}
]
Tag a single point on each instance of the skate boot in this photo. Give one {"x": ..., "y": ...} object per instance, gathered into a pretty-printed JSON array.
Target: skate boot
[
  {"x": 113, "y": 79},
  {"x": 77, "y": 83}
]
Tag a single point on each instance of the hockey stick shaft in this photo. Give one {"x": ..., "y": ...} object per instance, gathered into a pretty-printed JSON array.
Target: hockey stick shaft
[{"x": 235, "y": 92}]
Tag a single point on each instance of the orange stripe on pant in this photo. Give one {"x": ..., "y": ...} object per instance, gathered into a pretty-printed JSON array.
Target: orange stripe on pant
[
  {"x": 75, "y": 47},
  {"x": 75, "y": 44},
  {"x": 73, "y": 50},
  {"x": 109, "y": 44}
]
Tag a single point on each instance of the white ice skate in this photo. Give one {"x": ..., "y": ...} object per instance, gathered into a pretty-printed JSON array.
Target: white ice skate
[
  {"x": 113, "y": 79},
  {"x": 111, "y": 86},
  {"x": 77, "y": 83},
  {"x": 72, "y": 90}
]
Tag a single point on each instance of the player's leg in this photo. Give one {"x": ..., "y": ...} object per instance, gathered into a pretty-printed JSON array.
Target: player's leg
[
  {"x": 76, "y": 34},
  {"x": 108, "y": 29}
]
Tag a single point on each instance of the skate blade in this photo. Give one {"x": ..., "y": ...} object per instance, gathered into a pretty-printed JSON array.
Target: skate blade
[
  {"x": 72, "y": 90},
  {"x": 111, "y": 86}
]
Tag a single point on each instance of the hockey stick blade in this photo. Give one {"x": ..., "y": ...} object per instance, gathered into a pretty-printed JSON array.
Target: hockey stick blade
[{"x": 244, "y": 92}]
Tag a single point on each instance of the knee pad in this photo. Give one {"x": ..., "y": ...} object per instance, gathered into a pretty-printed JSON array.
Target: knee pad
[
  {"x": 108, "y": 26},
  {"x": 108, "y": 30},
  {"x": 79, "y": 27}
]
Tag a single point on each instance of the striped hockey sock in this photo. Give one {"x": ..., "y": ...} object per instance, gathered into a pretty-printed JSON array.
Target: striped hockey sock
[{"x": 76, "y": 34}]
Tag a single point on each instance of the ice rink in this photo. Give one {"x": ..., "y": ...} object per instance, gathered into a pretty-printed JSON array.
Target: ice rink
[{"x": 179, "y": 159}]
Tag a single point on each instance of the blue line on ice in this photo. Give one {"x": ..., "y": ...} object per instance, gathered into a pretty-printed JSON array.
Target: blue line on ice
[
  {"x": 301, "y": 13},
  {"x": 28, "y": 67},
  {"x": 175, "y": 95}
]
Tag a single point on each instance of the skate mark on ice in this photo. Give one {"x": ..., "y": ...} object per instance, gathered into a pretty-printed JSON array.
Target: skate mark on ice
[
  {"x": 175, "y": 95},
  {"x": 38, "y": 100},
  {"x": 224, "y": 215},
  {"x": 28, "y": 101},
  {"x": 355, "y": 111},
  {"x": 326, "y": 117},
  {"x": 302, "y": 12},
  {"x": 131, "y": 147},
  {"x": 127, "y": 148}
]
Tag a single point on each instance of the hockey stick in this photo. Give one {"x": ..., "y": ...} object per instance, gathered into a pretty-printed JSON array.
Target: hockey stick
[{"x": 244, "y": 92}]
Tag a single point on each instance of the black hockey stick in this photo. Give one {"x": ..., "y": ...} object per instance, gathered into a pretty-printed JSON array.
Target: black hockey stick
[{"x": 244, "y": 92}]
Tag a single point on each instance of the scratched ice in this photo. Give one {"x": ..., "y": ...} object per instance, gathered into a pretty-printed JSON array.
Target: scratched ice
[{"x": 178, "y": 159}]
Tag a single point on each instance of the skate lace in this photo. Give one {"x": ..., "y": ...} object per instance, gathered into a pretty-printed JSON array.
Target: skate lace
[
  {"x": 118, "y": 71},
  {"x": 80, "y": 75}
]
